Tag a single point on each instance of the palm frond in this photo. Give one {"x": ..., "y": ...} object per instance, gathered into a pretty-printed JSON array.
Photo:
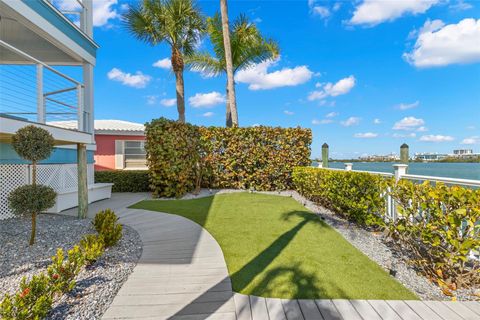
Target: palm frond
[{"x": 204, "y": 63}]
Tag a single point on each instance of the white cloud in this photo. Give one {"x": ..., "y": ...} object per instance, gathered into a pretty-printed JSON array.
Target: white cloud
[
  {"x": 103, "y": 11},
  {"x": 408, "y": 135},
  {"x": 471, "y": 140},
  {"x": 460, "y": 5},
  {"x": 436, "y": 138},
  {"x": 210, "y": 99},
  {"x": 168, "y": 102},
  {"x": 321, "y": 11},
  {"x": 471, "y": 127},
  {"x": 377, "y": 121},
  {"x": 406, "y": 106},
  {"x": 373, "y": 12},
  {"x": 165, "y": 63},
  {"x": 258, "y": 77},
  {"x": 408, "y": 123},
  {"x": 422, "y": 129},
  {"x": 352, "y": 121},
  {"x": 329, "y": 89},
  {"x": 365, "y": 135},
  {"x": 151, "y": 100},
  {"x": 440, "y": 45},
  {"x": 331, "y": 115},
  {"x": 323, "y": 121},
  {"x": 137, "y": 80},
  {"x": 208, "y": 114},
  {"x": 289, "y": 113}
]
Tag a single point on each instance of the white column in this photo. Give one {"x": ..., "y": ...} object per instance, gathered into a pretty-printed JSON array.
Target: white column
[
  {"x": 348, "y": 166},
  {"x": 400, "y": 170},
  {"x": 88, "y": 96},
  {"x": 88, "y": 18},
  {"x": 41, "y": 114}
]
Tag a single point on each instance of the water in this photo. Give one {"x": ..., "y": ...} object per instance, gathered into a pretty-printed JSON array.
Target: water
[{"x": 449, "y": 170}]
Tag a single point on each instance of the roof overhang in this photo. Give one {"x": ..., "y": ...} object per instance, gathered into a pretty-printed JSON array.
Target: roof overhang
[
  {"x": 120, "y": 132},
  {"x": 9, "y": 126}
]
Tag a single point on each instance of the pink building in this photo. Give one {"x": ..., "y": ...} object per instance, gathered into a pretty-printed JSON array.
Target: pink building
[{"x": 120, "y": 145}]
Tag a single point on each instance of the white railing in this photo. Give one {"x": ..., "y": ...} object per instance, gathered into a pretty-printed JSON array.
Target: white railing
[
  {"x": 36, "y": 92},
  {"x": 74, "y": 10}
]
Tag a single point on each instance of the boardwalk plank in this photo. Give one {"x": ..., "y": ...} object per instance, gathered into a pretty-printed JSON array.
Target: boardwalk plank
[
  {"x": 462, "y": 310},
  {"x": 442, "y": 310},
  {"x": 242, "y": 306},
  {"x": 346, "y": 309},
  {"x": 403, "y": 310},
  {"x": 328, "y": 309},
  {"x": 384, "y": 309},
  {"x": 259, "y": 308},
  {"x": 292, "y": 309},
  {"x": 365, "y": 309},
  {"x": 473, "y": 305},
  {"x": 422, "y": 310},
  {"x": 275, "y": 309},
  {"x": 309, "y": 309}
]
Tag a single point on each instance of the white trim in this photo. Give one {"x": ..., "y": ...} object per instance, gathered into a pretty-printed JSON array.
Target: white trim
[
  {"x": 10, "y": 126},
  {"x": 49, "y": 32},
  {"x": 120, "y": 133}
]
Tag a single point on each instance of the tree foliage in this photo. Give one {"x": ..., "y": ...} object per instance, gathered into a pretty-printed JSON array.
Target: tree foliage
[{"x": 33, "y": 143}]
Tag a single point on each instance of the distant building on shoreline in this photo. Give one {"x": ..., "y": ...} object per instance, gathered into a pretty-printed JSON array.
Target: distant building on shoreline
[
  {"x": 380, "y": 158},
  {"x": 458, "y": 153}
]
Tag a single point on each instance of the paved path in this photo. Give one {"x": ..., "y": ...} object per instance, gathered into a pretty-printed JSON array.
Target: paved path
[{"x": 182, "y": 275}]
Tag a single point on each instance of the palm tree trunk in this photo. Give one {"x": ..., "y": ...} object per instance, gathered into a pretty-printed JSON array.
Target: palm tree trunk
[
  {"x": 228, "y": 59},
  {"x": 229, "y": 112},
  {"x": 178, "y": 66}
]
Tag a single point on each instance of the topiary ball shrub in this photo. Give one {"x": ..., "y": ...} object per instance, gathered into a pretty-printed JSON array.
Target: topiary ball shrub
[
  {"x": 31, "y": 198},
  {"x": 105, "y": 223},
  {"x": 33, "y": 143}
]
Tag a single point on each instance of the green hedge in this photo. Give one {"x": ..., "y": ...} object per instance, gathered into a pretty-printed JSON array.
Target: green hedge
[
  {"x": 354, "y": 195},
  {"x": 125, "y": 180},
  {"x": 182, "y": 157}
]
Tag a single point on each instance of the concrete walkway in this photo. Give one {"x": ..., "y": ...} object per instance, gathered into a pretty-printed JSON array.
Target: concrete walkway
[{"x": 182, "y": 275}]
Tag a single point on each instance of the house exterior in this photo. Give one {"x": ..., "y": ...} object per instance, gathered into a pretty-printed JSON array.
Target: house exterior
[
  {"x": 37, "y": 40},
  {"x": 119, "y": 144}
]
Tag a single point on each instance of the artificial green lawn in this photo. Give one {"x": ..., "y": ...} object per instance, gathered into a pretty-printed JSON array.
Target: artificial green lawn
[{"x": 275, "y": 247}]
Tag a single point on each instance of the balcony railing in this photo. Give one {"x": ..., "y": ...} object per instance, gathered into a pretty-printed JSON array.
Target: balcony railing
[
  {"x": 73, "y": 10},
  {"x": 36, "y": 92}
]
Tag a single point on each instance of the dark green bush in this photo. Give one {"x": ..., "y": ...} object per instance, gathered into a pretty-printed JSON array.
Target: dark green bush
[
  {"x": 125, "y": 180},
  {"x": 30, "y": 199},
  {"x": 33, "y": 143},
  {"x": 182, "y": 157},
  {"x": 92, "y": 246},
  {"x": 33, "y": 301},
  {"x": 355, "y": 195},
  {"x": 173, "y": 155},
  {"x": 105, "y": 223}
]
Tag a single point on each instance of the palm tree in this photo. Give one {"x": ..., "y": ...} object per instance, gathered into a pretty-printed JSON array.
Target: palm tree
[
  {"x": 248, "y": 47},
  {"x": 178, "y": 23},
  {"x": 231, "y": 98}
]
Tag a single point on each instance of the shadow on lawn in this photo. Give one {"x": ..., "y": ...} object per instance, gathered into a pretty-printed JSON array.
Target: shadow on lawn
[{"x": 304, "y": 283}]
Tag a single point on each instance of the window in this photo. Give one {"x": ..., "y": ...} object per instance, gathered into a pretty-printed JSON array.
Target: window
[{"x": 135, "y": 154}]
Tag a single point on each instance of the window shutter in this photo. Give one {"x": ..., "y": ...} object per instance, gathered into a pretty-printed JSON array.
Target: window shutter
[{"x": 119, "y": 154}]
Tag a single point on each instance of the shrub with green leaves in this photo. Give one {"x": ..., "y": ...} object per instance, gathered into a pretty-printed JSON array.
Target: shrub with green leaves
[
  {"x": 125, "y": 180},
  {"x": 173, "y": 153},
  {"x": 31, "y": 198},
  {"x": 356, "y": 196},
  {"x": 105, "y": 223},
  {"x": 33, "y": 301},
  {"x": 33, "y": 143},
  {"x": 62, "y": 271},
  {"x": 181, "y": 157},
  {"x": 92, "y": 246},
  {"x": 439, "y": 226}
]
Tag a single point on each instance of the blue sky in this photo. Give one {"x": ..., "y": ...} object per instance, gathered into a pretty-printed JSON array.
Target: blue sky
[{"x": 365, "y": 75}]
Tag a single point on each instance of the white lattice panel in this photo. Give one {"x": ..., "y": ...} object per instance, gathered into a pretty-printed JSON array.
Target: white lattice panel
[
  {"x": 11, "y": 177},
  {"x": 61, "y": 177}
]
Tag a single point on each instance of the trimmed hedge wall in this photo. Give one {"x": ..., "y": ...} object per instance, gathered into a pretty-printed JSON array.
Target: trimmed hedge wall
[
  {"x": 354, "y": 195},
  {"x": 182, "y": 157},
  {"x": 125, "y": 180}
]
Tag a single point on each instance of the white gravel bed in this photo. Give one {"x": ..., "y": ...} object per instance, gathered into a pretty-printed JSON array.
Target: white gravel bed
[
  {"x": 373, "y": 244},
  {"x": 96, "y": 286}
]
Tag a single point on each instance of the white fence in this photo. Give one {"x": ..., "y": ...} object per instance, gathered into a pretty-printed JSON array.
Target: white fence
[{"x": 61, "y": 177}]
